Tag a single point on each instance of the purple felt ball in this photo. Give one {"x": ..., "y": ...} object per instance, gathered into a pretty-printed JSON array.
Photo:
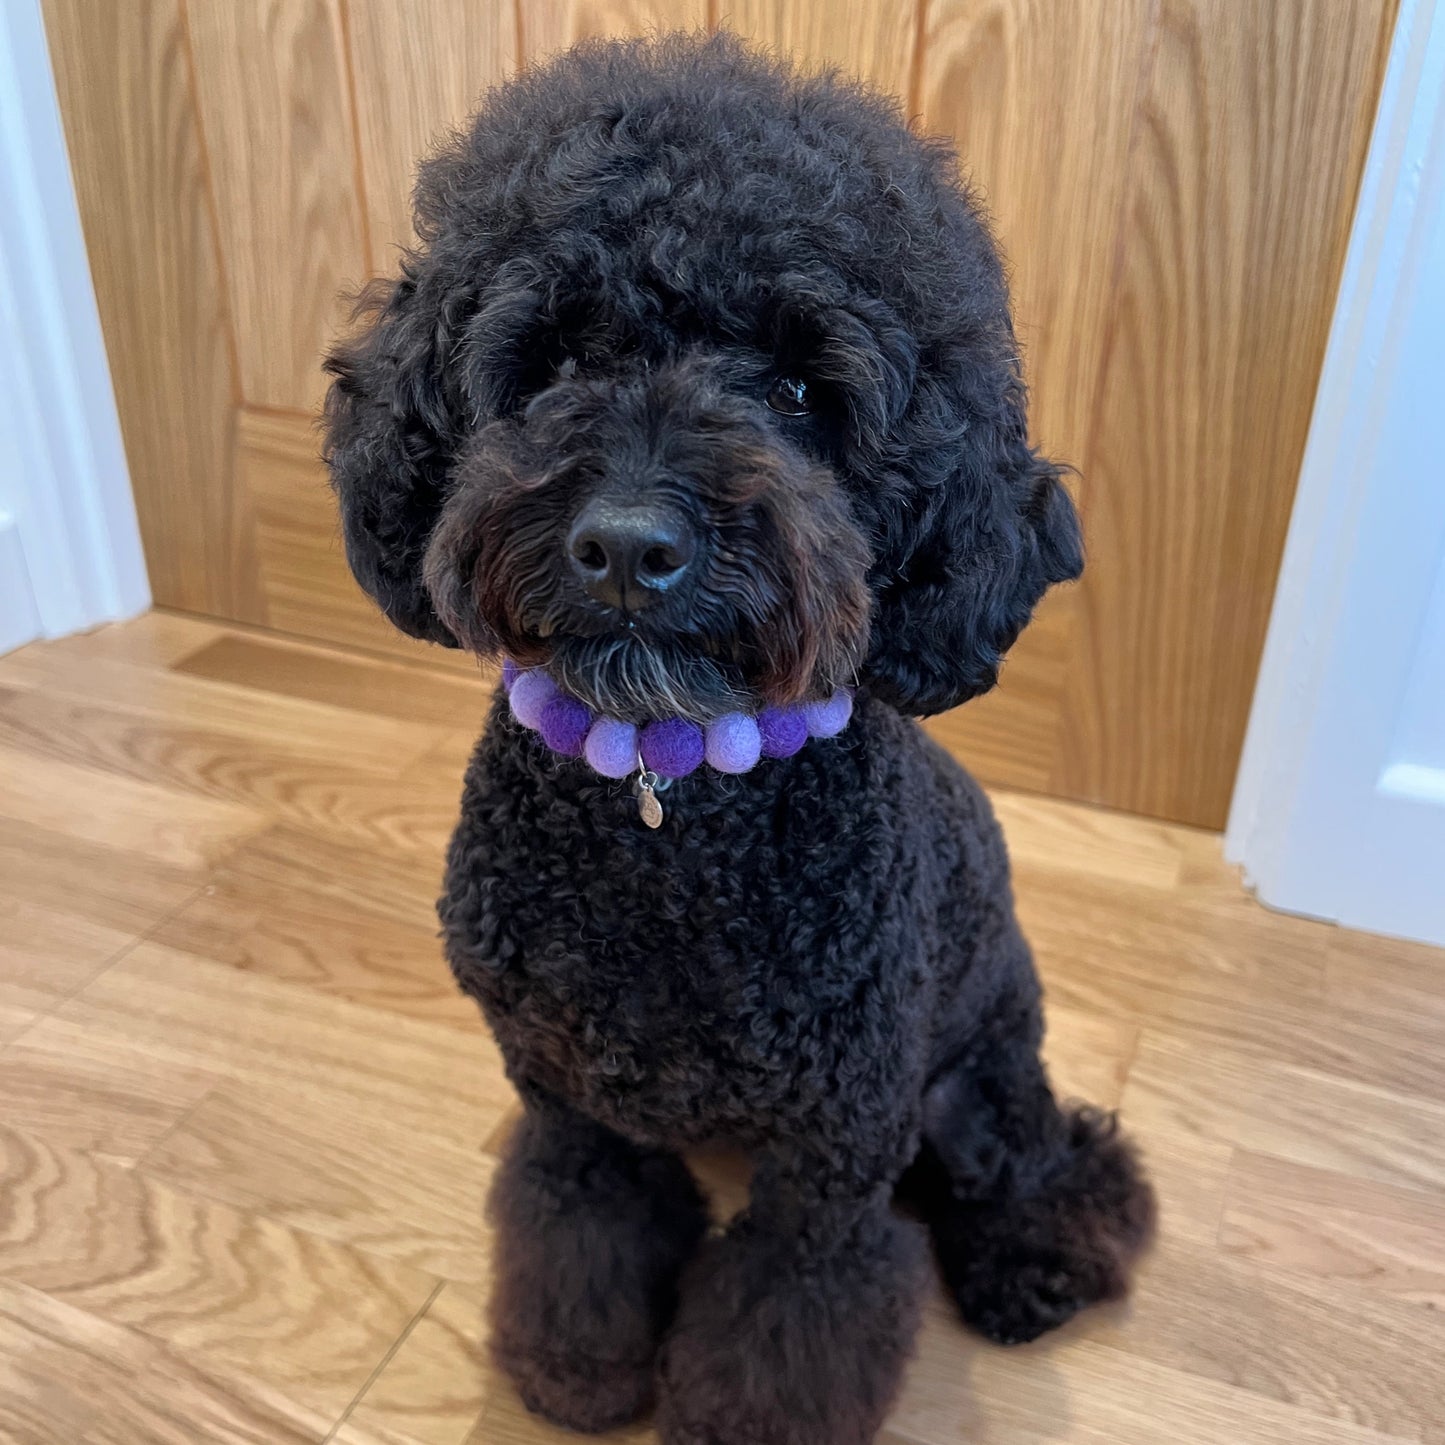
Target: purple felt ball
[
  {"x": 611, "y": 747},
  {"x": 510, "y": 673},
  {"x": 672, "y": 747},
  {"x": 733, "y": 743},
  {"x": 783, "y": 730},
  {"x": 531, "y": 692},
  {"x": 828, "y": 719},
  {"x": 564, "y": 725}
]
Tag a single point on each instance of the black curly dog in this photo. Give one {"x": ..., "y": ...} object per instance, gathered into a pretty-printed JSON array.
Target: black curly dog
[{"x": 758, "y": 326}]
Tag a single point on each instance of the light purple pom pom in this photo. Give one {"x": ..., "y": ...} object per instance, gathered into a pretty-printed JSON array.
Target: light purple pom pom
[
  {"x": 783, "y": 730},
  {"x": 510, "y": 673},
  {"x": 733, "y": 743},
  {"x": 564, "y": 725},
  {"x": 828, "y": 719},
  {"x": 611, "y": 747},
  {"x": 672, "y": 747},
  {"x": 531, "y": 692}
]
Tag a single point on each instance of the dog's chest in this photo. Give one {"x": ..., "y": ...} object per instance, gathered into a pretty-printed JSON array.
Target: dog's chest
[{"x": 708, "y": 979}]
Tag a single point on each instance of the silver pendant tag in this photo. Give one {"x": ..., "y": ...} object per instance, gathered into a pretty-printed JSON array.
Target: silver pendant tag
[{"x": 648, "y": 806}]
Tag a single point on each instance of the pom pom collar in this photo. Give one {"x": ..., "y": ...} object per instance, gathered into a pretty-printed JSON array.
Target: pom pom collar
[{"x": 669, "y": 747}]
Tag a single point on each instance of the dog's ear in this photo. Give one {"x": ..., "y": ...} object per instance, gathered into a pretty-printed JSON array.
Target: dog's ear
[
  {"x": 389, "y": 444},
  {"x": 966, "y": 562}
]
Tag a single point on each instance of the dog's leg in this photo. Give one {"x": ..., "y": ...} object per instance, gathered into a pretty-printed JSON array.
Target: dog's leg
[
  {"x": 1036, "y": 1210},
  {"x": 793, "y": 1327},
  {"x": 591, "y": 1234}
]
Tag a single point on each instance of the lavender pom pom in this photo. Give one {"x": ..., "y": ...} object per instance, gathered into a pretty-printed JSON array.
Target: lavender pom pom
[
  {"x": 564, "y": 725},
  {"x": 531, "y": 692},
  {"x": 733, "y": 743},
  {"x": 672, "y": 747},
  {"x": 510, "y": 673},
  {"x": 828, "y": 719},
  {"x": 611, "y": 747},
  {"x": 783, "y": 730}
]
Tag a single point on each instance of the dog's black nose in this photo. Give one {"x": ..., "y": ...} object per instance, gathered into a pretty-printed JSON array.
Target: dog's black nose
[{"x": 627, "y": 554}]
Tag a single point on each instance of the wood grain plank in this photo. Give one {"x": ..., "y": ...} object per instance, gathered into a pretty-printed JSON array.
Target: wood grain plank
[
  {"x": 273, "y": 98},
  {"x": 871, "y": 39},
  {"x": 1269, "y": 1333},
  {"x": 188, "y": 1012},
  {"x": 161, "y": 824},
  {"x": 76, "y": 1098},
  {"x": 307, "y": 1316},
  {"x": 298, "y": 1129},
  {"x": 1303, "y": 1116},
  {"x": 552, "y": 25},
  {"x": 371, "y": 881},
  {"x": 60, "y": 745},
  {"x": 1253, "y": 126},
  {"x": 15, "y": 1015},
  {"x": 1089, "y": 1056},
  {"x": 158, "y": 639},
  {"x": 1091, "y": 1394},
  {"x": 140, "y": 179},
  {"x": 359, "y": 1179},
  {"x": 66, "y": 1375},
  {"x": 419, "y": 71},
  {"x": 1331, "y": 1226},
  {"x": 53, "y": 952},
  {"x": 412, "y": 695},
  {"x": 66, "y": 874},
  {"x": 330, "y": 945},
  {"x": 107, "y": 706}
]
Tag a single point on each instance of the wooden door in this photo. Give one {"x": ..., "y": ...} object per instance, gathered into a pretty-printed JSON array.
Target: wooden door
[{"x": 1171, "y": 179}]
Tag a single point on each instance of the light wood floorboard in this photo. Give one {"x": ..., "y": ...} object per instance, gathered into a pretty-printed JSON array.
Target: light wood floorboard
[{"x": 246, "y": 1124}]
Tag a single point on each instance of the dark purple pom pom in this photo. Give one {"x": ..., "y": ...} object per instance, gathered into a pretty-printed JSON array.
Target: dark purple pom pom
[
  {"x": 672, "y": 747},
  {"x": 784, "y": 731},
  {"x": 564, "y": 725}
]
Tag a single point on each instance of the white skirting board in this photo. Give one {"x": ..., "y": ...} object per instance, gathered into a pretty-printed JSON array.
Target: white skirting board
[{"x": 71, "y": 554}]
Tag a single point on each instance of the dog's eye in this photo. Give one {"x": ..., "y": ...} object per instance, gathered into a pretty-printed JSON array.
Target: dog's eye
[{"x": 790, "y": 396}]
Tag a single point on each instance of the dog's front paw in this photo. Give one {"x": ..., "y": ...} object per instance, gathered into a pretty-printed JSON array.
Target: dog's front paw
[
  {"x": 576, "y": 1390},
  {"x": 1019, "y": 1267},
  {"x": 772, "y": 1346},
  {"x": 591, "y": 1235}
]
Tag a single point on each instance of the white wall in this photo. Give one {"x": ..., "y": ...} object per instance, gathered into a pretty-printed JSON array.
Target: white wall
[
  {"x": 70, "y": 553},
  {"x": 1339, "y": 810}
]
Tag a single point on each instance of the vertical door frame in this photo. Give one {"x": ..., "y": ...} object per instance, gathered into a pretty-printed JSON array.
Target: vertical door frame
[
  {"x": 1332, "y": 817},
  {"x": 70, "y": 546}
]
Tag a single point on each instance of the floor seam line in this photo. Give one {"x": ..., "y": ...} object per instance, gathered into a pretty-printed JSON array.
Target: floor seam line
[{"x": 384, "y": 1361}]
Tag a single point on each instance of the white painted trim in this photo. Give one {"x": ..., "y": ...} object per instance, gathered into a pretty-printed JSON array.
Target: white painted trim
[
  {"x": 1319, "y": 819},
  {"x": 63, "y": 477}
]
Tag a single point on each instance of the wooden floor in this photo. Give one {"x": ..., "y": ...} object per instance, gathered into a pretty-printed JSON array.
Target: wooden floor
[{"x": 246, "y": 1125}]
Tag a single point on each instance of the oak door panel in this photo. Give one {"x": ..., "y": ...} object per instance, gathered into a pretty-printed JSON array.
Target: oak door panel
[
  {"x": 274, "y": 95},
  {"x": 872, "y": 39},
  {"x": 1171, "y": 182},
  {"x": 552, "y": 25},
  {"x": 1251, "y": 134},
  {"x": 419, "y": 71},
  {"x": 123, "y": 78},
  {"x": 1020, "y": 87}
]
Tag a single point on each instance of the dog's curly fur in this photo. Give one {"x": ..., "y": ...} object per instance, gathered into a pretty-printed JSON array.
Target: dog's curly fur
[{"x": 816, "y": 960}]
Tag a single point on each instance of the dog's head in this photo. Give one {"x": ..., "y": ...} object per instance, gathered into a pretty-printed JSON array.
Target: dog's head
[{"x": 699, "y": 389}]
